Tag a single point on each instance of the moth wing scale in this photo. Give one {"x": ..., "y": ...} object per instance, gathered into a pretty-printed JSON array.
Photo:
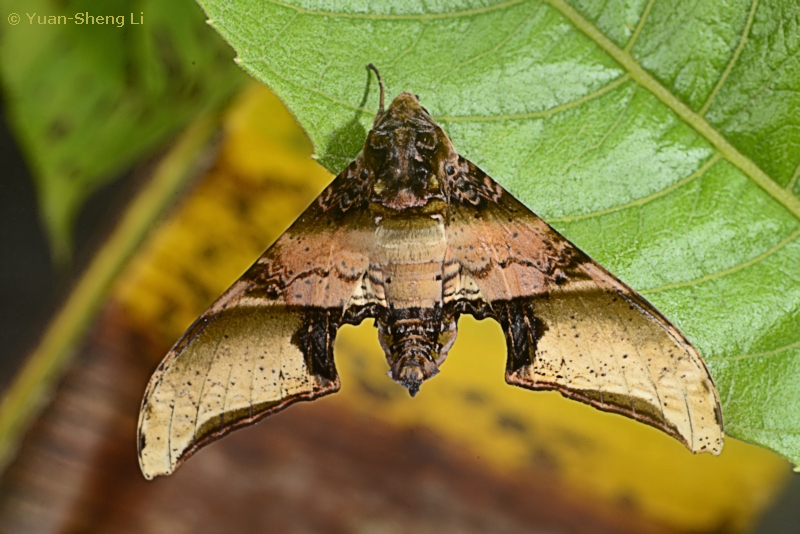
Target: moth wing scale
[
  {"x": 267, "y": 342},
  {"x": 570, "y": 325}
]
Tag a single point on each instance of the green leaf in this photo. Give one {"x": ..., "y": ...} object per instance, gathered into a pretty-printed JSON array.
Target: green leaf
[
  {"x": 87, "y": 100},
  {"x": 662, "y": 138}
]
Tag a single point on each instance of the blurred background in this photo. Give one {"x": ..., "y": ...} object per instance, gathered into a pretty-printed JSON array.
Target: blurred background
[{"x": 142, "y": 173}]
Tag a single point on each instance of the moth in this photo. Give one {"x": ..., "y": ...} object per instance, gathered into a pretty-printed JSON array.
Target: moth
[{"x": 414, "y": 235}]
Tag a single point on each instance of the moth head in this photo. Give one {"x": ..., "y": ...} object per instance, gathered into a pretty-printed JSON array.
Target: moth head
[
  {"x": 405, "y": 107},
  {"x": 406, "y": 156}
]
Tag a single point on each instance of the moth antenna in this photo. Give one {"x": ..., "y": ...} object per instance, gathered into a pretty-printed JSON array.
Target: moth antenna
[{"x": 380, "y": 83}]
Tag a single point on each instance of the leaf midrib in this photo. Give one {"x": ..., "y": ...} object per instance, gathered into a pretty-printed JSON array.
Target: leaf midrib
[
  {"x": 696, "y": 121},
  {"x": 635, "y": 71}
]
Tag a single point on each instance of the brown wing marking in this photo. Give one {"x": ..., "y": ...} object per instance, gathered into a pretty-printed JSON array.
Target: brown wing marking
[
  {"x": 267, "y": 342},
  {"x": 572, "y": 326}
]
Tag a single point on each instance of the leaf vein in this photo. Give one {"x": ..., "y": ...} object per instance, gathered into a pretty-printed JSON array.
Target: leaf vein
[
  {"x": 409, "y": 48},
  {"x": 764, "y": 354},
  {"x": 599, "y": 144},
  {"x": 643, "y": 200},
  {"x": 765, "y": 88},
  {"x": 793, "y": 181},
  {"x": 409, "y": 16},
  {"x": 769, "y": 430},
  {"x": 732, "y": 62},
  {"x": 492, "y": 50},
  {"x": 537, "y": 114},
  {"x": 639, "y": 26},
  {"x": 725, "y": 272},
  {"x": 703, "y": 127}
]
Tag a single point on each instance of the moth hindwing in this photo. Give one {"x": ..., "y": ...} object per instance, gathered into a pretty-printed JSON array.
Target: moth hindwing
[{"x": 413, "y": 235}]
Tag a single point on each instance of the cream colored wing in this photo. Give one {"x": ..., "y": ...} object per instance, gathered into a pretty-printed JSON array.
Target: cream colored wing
[
  {"x": 268, "y": 341},
  {"x": 572, "y": 326}
]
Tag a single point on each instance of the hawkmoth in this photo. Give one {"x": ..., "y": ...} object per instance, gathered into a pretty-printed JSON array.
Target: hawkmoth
[{"x": 414, "y": 235}]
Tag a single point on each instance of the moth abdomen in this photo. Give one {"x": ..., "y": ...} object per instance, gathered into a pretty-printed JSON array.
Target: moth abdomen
[{"x": 416, "y": 342}]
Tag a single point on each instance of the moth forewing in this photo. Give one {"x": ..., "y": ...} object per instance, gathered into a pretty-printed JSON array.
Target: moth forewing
[
  {"x": 572, "y": 326},
  {"x": 414, "y": 235},
  {"x": 267, "y": 342}
]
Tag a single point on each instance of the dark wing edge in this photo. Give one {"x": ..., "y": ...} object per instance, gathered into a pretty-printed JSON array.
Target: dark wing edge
[
  {"x": 570, "y": 325},
  {"x": 267, "y": 342}
]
